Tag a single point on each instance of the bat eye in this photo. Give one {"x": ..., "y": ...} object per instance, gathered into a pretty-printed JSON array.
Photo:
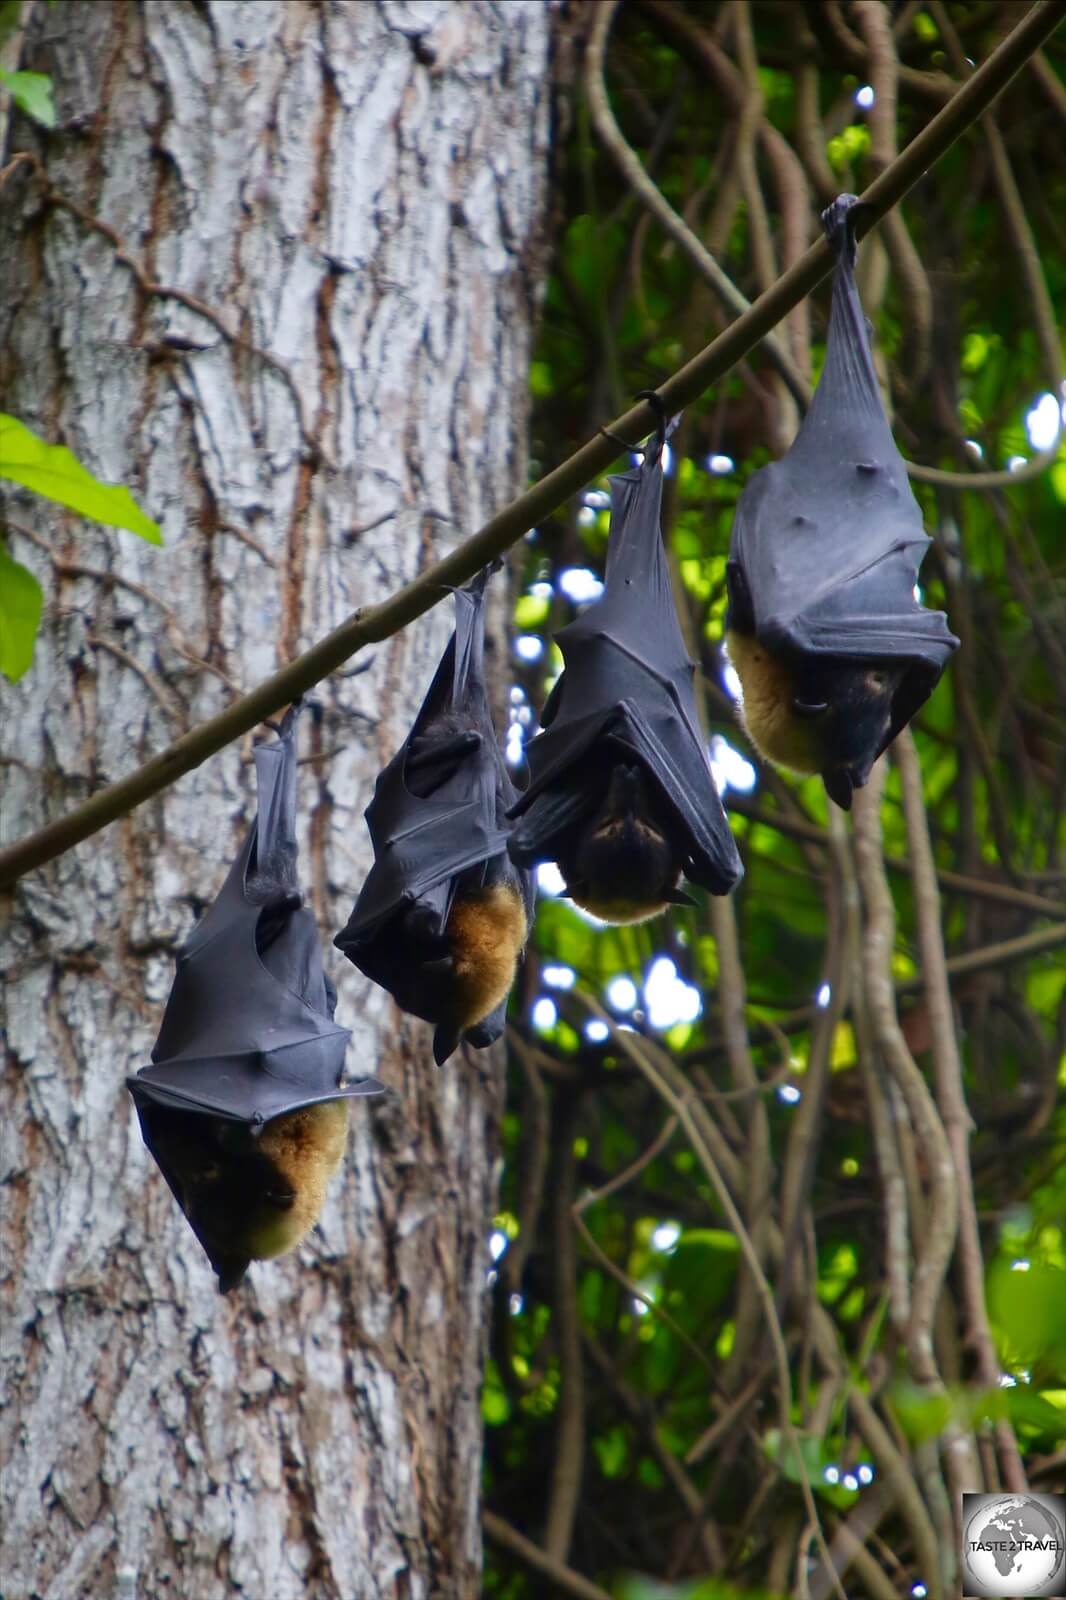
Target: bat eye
[{"x": 210, "y": 1172}]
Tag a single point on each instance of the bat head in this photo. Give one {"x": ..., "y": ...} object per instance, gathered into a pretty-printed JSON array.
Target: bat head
[
  {"x": 623, "y": 865},
  {"x": 848, "y": 707},
  {"x": 248, "y": 1194}
]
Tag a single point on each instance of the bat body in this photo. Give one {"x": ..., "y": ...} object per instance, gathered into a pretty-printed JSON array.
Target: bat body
[
  {"x": 833, "y": 650},
  {"x": 443, "y": 916},
  {"x": 621, "y": 794},
  {"x": 244, "y": 1107}
]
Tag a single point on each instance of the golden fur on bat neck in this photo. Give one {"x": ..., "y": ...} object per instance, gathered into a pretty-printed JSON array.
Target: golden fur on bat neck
[
  {"x": 766, "y": 712},
  {"x": 306, "y": 1148}
]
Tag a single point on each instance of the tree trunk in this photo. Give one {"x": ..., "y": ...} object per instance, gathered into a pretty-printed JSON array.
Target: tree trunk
[{"x": 349, "y": 198}]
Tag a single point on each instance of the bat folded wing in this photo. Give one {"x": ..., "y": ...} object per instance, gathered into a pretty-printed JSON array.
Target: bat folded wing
[
  {"x": 682, "y": 774},
  {"x": 253, "y": 1089},
  {"x": 248, "y": 1031},
  {"x": 653, "y": 731},
  {"x": 421, "y": 850}
]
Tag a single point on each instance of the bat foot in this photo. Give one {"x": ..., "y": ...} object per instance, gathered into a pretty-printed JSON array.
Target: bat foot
[{"x": 662, "y": 424}]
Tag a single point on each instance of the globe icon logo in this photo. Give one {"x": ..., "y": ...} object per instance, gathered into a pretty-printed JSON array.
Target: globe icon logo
[{"x": 1014, "y": 1545}]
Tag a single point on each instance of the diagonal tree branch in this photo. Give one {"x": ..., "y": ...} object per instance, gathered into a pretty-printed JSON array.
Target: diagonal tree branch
[{"x": 376, "y": 623}]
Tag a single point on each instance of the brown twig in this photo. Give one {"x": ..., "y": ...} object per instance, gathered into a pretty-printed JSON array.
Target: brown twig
[
  {"x": 935, "y": 1239},
  {"x": 569, "y": 1453},
  {"x": 653, "y": 199},
  {"x": 501, "y": 1533},
  {"x": 809, "y": 133},
  {"x": 802, "y": 1149},
  {"x": 906, "y": 263},
  {"x": 671, "y": 1467},
  {"x": 732, "y": 1004},
  {"x": 685, "y": 1112},
  {"x": 163, "y": 698},
  {"x": 73, "y": 569},
  {"x": 151, "y": 289},
  {"x": 728, "y": 1419},
  {"x": 890, "y": 1460},
  {"x": 623, "y": 1279},
  {"x": 848, "y": 1547},
  {"x": 934, "y": 1251},
  {"x": 895, "y": 1208},
  {"x": 958, "y": 1124},
  {"x": 963, "y": 883},
  {"x": 934, "y": 86},
  {"x": 700, "y": 47},
  {"x": 536, "y": 1138},
  {"x": 1051, "y": 84}
]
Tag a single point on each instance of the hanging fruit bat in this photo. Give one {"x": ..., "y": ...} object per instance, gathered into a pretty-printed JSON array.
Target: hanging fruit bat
[
  {"x": 244, "y": 1107},
  {"x": 443, "y": 916},
  {"x": 621, "y": 794},
  {"x": 833, "y": 650}
]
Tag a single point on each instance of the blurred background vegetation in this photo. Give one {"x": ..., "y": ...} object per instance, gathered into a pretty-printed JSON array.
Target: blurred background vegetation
[{"x": 871, "y": 1076}]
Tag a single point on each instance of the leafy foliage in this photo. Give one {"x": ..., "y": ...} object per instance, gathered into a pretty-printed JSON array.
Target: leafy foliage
[
  {"x": 687, "y": 1484},
  {"x": 32, "y": 93},
  {"x": 53, "y": 472},
  {"x": 20, "y": 615}
]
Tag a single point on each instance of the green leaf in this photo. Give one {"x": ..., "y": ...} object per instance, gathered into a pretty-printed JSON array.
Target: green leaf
[
  {"x": 698, "y": 1276},
  {"x": 20, "y": 615},
  {"x": 815, "y": 1456},
  {"x": 32, "y": 93},
  {"x": 612, "y": 1451},
  {"x": 1027, "y": 1305},
  {"x": 530, "y": 612},
  {"x": 495, "y": 1405},
  {"x": 637, "y": 1587},
  {"x": 52, "y": 471}
]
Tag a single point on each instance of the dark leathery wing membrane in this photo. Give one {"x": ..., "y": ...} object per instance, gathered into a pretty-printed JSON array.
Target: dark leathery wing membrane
[
  {"x": 248, "y": 1035},
  {"x": 625, "y": 703},
  {"x": 443, "y": 915},
  {"x": 827, "y": 542}
]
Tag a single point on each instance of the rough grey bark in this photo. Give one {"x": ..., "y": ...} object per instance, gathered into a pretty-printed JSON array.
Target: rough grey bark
[{"x": 356, "y": 191}]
